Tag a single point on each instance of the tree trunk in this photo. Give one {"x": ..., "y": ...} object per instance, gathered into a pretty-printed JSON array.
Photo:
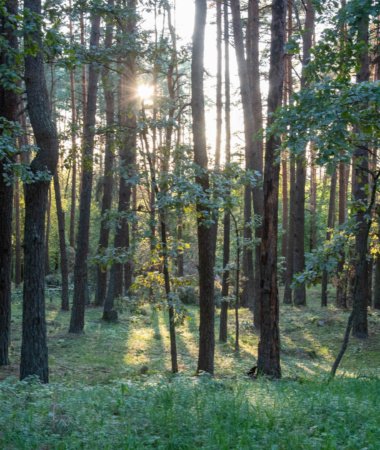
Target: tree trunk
[
  {"x": 330, "y": 225},
  {"x": 101, "y": 278},
  {"x": 47, "y": 234},
  {"x": 206, "y": 250},
  {"x": 360, "y": 294},
  {"x": 127, "y": 165},
  {"x": 313, "y": 199},
  {"x": 34, "y": 353},
  {"x": 80, "y": 269},
  {"x": 341, "y": 289},
  {"x": 227, "y": 218},
  {"x": 268, "y": 362},
  {"x": 62, "y": 245},
  {"x": 8, "y": 111},
  {"x": 299, "y": 228}
]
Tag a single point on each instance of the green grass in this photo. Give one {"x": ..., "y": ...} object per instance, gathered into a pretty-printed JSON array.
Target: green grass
[{"x": 111, "y": 388}]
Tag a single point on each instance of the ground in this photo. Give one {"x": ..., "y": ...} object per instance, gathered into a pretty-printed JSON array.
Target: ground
[{"x": 111, "y": 387}]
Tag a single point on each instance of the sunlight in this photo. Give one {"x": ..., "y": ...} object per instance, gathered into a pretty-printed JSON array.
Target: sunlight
[{"x": 145, "y": 92}]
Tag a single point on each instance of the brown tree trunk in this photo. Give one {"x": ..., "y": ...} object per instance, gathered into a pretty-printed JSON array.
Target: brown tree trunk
[
  {"x": 47, "y": 234},
  {"x": 330, "y": 225},
  {"x": 127, "y": 166},
  {"x": 376, "y": 291},
  {"x": 360, "y": 293},
  {"x": 341, "y": 289},
  {"x": 34, "y": 353},
  {"x": 253, "y": 64},
  {"x": 80, "y": 269},
  {"x": 227, "y": 218},
  {"x": 206, "y": 250},
  {"x": 268, "y": 362},
  {"x": 8, "y": 111},
  {"x": 17, "y": 234},
  {"x": 109, "y": 156},
  {"x": 313, "y": 199},
  {"x": 299, "y": 227},
  {"x": 62, "y": 245}
]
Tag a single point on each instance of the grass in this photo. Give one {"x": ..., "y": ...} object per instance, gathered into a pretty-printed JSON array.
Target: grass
[{"x": 111, "y": 388}]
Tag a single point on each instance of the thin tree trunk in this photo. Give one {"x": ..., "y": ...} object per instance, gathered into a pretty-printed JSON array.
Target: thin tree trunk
[
  {"x": 8, "y": 111},
  {"x": 330, "y": 225},
  {"x": 299, "y": 228},
  {"x": 127, "y": 166},
  {"x": 80, "y": 269},
  {"x": 227, "y": 218},
  {"x": 47, "y": 235},
  {"x": 341, "y": 290},
  {"x": 62, "y": 245},
  {"x": 206, "y": 250},
  {"x": 17, "y": 194},
  {"x": 268, "y": 362},
  {"x": 34, "y": 353},
  {"x": 101, "y": 278},
  {"x": 313, "y": 199}
]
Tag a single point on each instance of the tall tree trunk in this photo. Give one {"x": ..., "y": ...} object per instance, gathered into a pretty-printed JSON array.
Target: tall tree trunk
[
  {"x": 80, "y": 269},
  {"x": 299, "y": 228},
  {"x": 62, "y": 245},
  {"x": 268, "y": 362},
  {"x": 8, "y": 111},
  {"x": 341, "y": 289},
  {"x": 73, "y": 145},
  {"x": 376, "y": 293},
  {"x": 227, "y": 217},
  {"x": 127, "y": 164},
  {"x": 101, "y": 278},
  {"x": 292, "y": 174},
  {"x": 360, "y": 293},
  {"x": 206, "y": 250},
  {"x": 17, "y": 233},
  {"x": 253, "y": 63},
  {"x": 330, "y": 225},
  {"x": 313, "y": 199},
  {"x": 34, "y": 353}
]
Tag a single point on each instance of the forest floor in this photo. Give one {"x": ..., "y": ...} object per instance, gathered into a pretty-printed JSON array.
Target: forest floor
[{"x": 111, "y": 387}]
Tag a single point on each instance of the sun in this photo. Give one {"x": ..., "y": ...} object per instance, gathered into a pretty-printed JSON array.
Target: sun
[{"x": 145, "y": 92}]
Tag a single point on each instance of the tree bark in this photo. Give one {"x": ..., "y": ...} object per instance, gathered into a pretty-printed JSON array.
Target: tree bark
[
  {"x": 341, "y": 289},
  {"x": 299, "y": 228},
  {"x": 80, "y": 268},
  {"x": 360, "y": 293},
  {"x": 268, "y": 362},
  {"x": 330, "y": 225},
  {"x": 227, "y": 218},
  {"x": 128, "y": 124},
  {"x": 206, "y": 250},
  {"x": 101, "y": 278},
  {"x": 34, "y": 352},
  {"x": 62, "y": 245},
  {"x": 8, "y": 112}
]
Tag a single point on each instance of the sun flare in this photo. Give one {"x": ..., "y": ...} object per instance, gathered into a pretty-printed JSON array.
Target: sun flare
[{"x": 145, "y": 92}]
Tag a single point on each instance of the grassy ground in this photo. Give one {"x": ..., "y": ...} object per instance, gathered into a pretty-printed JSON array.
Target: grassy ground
[{"x": 112, "y": 388}]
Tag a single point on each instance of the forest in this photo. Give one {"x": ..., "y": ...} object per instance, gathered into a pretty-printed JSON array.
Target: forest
[{"x": 190, "y": 224}]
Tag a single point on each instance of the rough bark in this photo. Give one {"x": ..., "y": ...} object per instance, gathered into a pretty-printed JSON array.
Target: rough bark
[
  {"x": 268, "y": 362},
  {"x": 109, "y": 156},
  {"x": 62, "y": 245},
  {"x": 34, "y": 352},
  {"x": 299, "y": 226},
  {"x": 206, "y": 248},
  {"x": 341, "y": 289},
  {"x": 80, "y": 268},
  {"x": 227, "y": 218},
  {"x": 8, "y": 111},
  {"x": 360, "y": 294},
  {"x": 127, "y": 119},
  {"x": 330, "y": 225},
  {"x": 313, "y": 199}
]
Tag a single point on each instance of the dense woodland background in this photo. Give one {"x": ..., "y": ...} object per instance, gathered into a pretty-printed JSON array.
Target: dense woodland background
[{"x": 166, "y": 203}]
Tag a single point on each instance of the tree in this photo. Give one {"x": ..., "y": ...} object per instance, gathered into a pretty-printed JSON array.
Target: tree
[
  {"x": 8, "y": 117},
  {"x": 206, "y": 250},
  {"x": 80, "y": 270},
  {"x": 268, "y": 362},
  {"x": 34, "y": 352}
]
